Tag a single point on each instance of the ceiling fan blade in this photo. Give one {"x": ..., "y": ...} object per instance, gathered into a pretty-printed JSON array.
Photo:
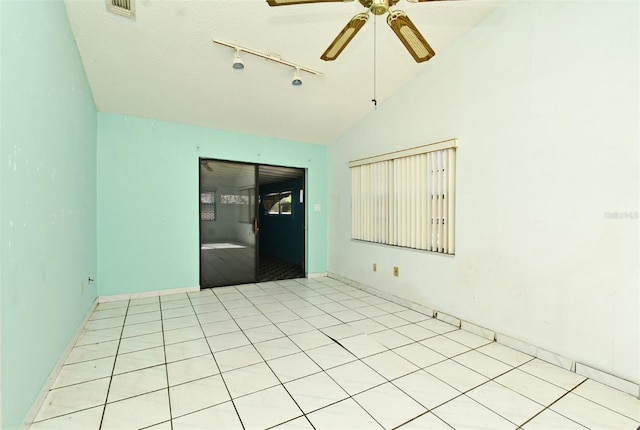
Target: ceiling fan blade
[
  {"x": 410, "y": 36},
  {"x": 345, "y": 36},
  {"x": 290, "y": 2},
  {"x": 205, "y": 164}
]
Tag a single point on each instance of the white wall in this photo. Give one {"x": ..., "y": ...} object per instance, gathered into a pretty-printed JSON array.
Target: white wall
[
  {"x": 245, "y": 234},
  {"x": 224, "y": 227},
  {"x": 543, "y": 97}
]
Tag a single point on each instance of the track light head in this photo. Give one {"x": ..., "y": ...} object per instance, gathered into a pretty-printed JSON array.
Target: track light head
[
  {"x": 238, "y": 64},
  {"x": 296, "y": 78}
]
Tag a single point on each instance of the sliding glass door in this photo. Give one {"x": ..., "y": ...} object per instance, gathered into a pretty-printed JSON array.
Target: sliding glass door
[
  {"x": 228, "y": 227},
  {"x": 252, "y": 223}
]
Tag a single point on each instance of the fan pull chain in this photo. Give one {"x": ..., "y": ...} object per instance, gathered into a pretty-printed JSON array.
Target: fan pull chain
[{"x": 374, "y": 100}]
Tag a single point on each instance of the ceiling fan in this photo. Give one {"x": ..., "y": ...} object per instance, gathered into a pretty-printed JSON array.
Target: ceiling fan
[
  {"x": 205, "y": 164},
  {"x": 397, "y": 20}
]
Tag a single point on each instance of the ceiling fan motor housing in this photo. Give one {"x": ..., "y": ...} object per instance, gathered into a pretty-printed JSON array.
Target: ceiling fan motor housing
[{"x": 378, "y": 7}]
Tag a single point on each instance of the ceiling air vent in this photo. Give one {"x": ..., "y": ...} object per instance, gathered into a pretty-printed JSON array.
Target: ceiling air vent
[{"x": 122, "y": 7}]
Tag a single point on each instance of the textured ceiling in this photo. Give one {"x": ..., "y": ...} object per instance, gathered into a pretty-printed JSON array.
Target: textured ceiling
[{"x": 163, "y": 65}]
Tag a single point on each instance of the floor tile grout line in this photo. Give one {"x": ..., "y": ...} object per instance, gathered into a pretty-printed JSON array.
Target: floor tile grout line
[
  {"x": 544, "y": 407},
  {"x": 394, "y": 328},
  {"x": 325, "y": 371},
  {"x": 195, "y": 411},
  {"x": 529, "y": 398},
  {"x": 63, "y": 415},
  {"x": 531, "y": 358},
  {"x": 597, "y": 403},
  {"x": 293, "y": 419},
  {"x": 104, "y": 318},
  {"x": 364, "y": 317},
  {"x": 153, "y": 425},
  {"x": 374, "y": 370},
  {"x": 464, "y": 393},
  {"x": 166, "y": 367},
  {"x": 288, "y": 337},
  {"x": 113, "y": 369},
  {"x": 352, "y": 397},
  {"x": 424, "y": 369},
  {"x": 435, "y": 414},
  {"x": 543, "y": 379},
  {"x": 75, "y": 384},
  {"x": 88, "y": 360},
  {"x": 387, "y": 380},
  {"x": 428, "y": 411},
  {"x": 294, "y": 401},
  {"x": 220, "y": 371},
  {"x": 342, "y": 323},
  {"x": 605, "y": 406},
  {"x": 553, "y": 403},
  {"x": 475, "y": 401},
  {"x": 321, "y": 371}
]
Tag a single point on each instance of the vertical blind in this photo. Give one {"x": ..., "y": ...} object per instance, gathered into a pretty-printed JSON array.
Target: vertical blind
[{"x": 406, "y": 198}]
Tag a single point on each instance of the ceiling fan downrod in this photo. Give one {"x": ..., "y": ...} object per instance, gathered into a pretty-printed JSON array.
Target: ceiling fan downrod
[{"x": 378, "y": 7}]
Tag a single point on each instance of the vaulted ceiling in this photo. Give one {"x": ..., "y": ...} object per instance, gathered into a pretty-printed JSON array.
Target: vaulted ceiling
[{"x": 163, "y": 64}]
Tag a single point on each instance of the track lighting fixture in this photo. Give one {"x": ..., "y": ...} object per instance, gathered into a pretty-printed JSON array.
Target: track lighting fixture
[
  {"x": 238, "y": 64},
  {"x": 296, "y": 78}
]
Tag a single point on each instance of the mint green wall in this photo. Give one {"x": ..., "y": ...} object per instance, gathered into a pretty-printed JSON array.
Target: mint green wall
[
  {"x": 47, "y": 197},
  {"x": 148, "y": 198}
]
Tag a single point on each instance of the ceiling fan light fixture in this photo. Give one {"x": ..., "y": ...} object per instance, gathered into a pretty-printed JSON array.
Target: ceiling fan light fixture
[
  {"x": 297, "y": 81},
  {"x": 238, "y": 64},
  {"x": 379, "y": 7}
]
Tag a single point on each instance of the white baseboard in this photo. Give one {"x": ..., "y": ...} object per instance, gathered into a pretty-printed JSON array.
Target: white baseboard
[
  {"x": 477, "y": 330},
  {"x": 608, "y": 379},
  {"x": 316, "y": 275},
  {"x": 558, "y": 360},
  {"x": 569, "y": 364},
  {"x": 448, "y": 318},
  {"x": 517, "y": 344},
  {"x": 37, "y": 404},
  {"x": 145, "y": 294}
]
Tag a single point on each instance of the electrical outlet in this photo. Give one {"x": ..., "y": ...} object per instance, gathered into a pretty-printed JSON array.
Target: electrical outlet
[
  {"x": 396, "y": 271},
  {"x": 375, "y": 267}
]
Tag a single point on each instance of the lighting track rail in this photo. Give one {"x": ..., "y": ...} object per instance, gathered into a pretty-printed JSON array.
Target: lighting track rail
[{"x": 238, "y": 64}]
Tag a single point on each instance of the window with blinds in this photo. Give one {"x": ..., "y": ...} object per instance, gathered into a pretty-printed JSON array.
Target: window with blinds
[{"x": 406, "y": 198}]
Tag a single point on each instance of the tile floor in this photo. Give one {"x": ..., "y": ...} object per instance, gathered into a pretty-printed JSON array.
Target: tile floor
[
  {"x": 304, "y": 354},
  {"x": 234, "y": 264}
]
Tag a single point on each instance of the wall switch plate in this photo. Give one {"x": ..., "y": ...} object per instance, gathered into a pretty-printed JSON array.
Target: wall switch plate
[{"x": 396, "y": 271}]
